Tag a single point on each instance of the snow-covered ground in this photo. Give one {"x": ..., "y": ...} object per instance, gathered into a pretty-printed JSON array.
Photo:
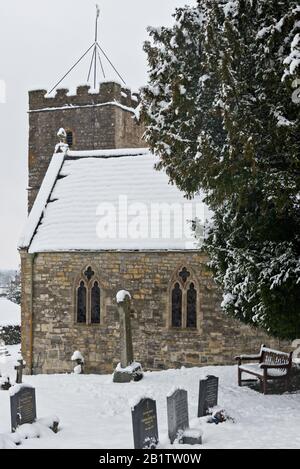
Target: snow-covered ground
[{"x": 96, "y": 413}]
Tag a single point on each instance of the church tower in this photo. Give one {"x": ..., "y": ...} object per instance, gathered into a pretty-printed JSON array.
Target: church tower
[
  {"x": 93, "y": 120},
  {"x": 107, "y": 119}
]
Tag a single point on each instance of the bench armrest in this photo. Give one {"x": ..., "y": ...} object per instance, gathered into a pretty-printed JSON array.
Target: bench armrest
[{"x": 248, "y": 357}]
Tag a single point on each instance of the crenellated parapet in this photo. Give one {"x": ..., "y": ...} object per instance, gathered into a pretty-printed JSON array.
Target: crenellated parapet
[
  {"x": 93, "y": 120},
  {"x": 108, "y": 92}
]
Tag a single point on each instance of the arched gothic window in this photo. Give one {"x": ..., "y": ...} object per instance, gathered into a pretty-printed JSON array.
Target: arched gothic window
[
  {"x": 191, "y": 312},
  {"x": 95, "y": 304},
  {"x": 81, "y": 303},
  {"x": 184, "y": 300},
  {"x": 88, "y": 298},
  {"x": 176, "y": 306}
]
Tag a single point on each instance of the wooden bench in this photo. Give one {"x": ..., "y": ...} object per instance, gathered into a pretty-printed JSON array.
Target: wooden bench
[{"x": 271, "y": 364}]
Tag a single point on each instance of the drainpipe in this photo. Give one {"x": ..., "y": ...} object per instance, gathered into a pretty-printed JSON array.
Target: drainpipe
[{"x": 30, "y": 364}]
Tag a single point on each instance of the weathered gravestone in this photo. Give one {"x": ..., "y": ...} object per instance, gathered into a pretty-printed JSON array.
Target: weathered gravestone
[
  {"x": 127, "y": 369},
  {"x": 19, "y": 369},
  {"x": 22, "y": 405},
  {"x": 178, "y": 420},
  {"x": 144, "y": 424},
  {"x": 178, "y": 414},
  {"x": 208, "y": 394}
]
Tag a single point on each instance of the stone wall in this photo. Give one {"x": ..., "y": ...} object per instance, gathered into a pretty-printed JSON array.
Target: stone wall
[
  {"x": 96, "y": 122},
  {"x": 147, "y": 275}
]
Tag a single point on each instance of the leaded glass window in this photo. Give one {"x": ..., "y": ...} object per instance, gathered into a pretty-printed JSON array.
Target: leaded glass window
[
  {"x": 95, "y": 304},
  {"x": 191, "y": 315},
  {"x": 69, "y": 138},
  {"x": 184, "y": 300},
  {"x": 81, "y": 303},
  {"x": 176, "y": 306}
]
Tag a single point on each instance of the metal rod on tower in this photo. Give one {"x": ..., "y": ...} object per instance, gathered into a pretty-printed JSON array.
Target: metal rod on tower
[
  {"x": 69, "y": 71},
  {"x": 112, "y": 65},
  {"x": 96, "y": 40},
  {"x": 93, "y": 62},
  {"x": 95, "y": 67},
  {"x": 91, "y": 65},
  {"x": 97, "y": 17},
  {"x": 101, "y": 64}
]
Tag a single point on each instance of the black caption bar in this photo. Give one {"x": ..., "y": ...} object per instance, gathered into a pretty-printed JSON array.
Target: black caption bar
[{"x": 134, "y": 458}]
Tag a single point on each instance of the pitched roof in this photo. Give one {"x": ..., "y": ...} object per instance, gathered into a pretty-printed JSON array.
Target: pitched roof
[{"x": 109, "y": 200}]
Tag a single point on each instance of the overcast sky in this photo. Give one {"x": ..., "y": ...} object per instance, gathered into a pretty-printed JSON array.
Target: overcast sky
[{"x": 39, "y": 41}]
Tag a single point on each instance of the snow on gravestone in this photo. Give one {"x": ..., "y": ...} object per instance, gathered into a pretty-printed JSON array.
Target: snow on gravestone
[
  {"x": 178, "y": 414},
  {"x": 22, "y": 405},
  {"x": 208, "y": 394},
  {"x": 144, "y": 423}
]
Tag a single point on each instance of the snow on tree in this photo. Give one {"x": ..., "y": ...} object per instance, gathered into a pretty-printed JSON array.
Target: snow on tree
[
  {"x": 220, "y": 113},
  {"x": 14, "y": 289}
]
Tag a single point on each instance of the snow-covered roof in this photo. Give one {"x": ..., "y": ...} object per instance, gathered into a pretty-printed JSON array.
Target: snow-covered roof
[
  {"x": 10, "y": 313},
  {"x": 109, "y": 200}
]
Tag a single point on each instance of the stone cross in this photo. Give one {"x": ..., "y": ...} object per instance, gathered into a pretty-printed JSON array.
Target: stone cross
[
  {"x": 127, "y": 369},
  {"x": 19, "y": 369},
  {"x": 124, "y": 308}
]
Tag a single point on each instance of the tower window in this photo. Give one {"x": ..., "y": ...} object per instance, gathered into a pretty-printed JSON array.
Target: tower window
[{"x": 69, "y": 138}]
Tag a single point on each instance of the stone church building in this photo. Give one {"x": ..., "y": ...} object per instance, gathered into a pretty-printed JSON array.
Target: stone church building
[{"x": 88, "y": 235}]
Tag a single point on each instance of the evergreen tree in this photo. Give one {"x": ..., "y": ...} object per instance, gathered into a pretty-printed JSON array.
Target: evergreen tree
[{"x": 234, "y": 134}]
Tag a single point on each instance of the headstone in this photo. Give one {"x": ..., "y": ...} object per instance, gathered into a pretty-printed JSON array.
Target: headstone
[
  {"x": 178, "y": 414},
  {"x": 19, "y": 369},
  {"x": 144, "y": 424},
  {"x": 22, "y": 405},
  {"x": 208, "y": 394},
  {"x": 127, "y": 369}
]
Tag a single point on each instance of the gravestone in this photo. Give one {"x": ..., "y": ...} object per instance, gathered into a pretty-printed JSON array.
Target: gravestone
[
  {"x": 19, "y": 369},
  {"x": 178, "y": 420},
  {"x": 128, "y": 369},
  {"x": 178, "y": 414},
  {"x": 144, "y": 424},
  {"x": 22, "y": 405},
  {"x": 208, "y": 394}
]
